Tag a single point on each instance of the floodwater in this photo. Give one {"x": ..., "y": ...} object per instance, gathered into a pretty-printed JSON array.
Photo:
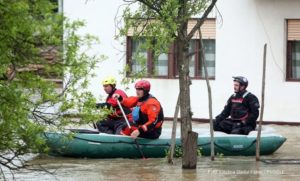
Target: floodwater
[{"x": 223, "y": 168}]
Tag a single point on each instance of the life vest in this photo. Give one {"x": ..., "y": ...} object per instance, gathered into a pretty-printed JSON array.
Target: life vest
[
  {"x": 239, "y": 110},
  {"x": 141, "y": 118},
  {"x": 117, "y": 114}
]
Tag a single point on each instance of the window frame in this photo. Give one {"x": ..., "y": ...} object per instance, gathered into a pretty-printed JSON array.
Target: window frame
[
  {"x": 289, "y": 52},
  {"x": 150, "y": 64},
  {"x": 172, "y": 62}
]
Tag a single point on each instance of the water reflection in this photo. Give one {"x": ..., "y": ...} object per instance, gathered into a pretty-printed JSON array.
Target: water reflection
[{"x": 229, "y": 168}]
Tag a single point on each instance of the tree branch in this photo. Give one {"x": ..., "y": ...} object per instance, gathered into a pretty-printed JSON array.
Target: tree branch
[
  {"x": 8, "y": 162},
  {"x": 156, "y": 9},
  {"x": 151, "y": 6},
  {"x": 201, "y": 20}
]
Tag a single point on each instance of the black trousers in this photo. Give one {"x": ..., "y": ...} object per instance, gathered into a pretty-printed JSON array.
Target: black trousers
[
  {"x": 232, "y": 127},
  {"x": 111, "y": 126},
  {"x": 151, "y": 134}
]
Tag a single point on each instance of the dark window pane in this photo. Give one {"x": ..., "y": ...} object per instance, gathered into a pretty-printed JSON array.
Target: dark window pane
[
  {"x": 192, "y": 53},
  {"x": 295, "y": 60},
  {"x": 139, "y": 56},
  {"x": 161, "y": 65},
  {"x": 142, "y": 60},
  {"x": 210, "y": 58}
]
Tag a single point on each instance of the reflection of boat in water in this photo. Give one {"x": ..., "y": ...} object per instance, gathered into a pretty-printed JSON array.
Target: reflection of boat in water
[
  {"x": 89, "y": 143},
  {"x": 281, "y": 161}
]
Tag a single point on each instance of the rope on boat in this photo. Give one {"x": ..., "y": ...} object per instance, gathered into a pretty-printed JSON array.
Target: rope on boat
[{"x": 112, "y": 142}]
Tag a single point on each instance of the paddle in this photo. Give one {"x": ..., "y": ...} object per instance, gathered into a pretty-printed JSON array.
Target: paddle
[{"x": 127, "y": 122}]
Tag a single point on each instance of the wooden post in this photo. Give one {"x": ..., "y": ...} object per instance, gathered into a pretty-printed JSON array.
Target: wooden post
[
  {"x": 173, "y": 139},
  {"x": 191, "y": 154},
  {"x": 262, "y": 105},
  {"x": 212, "y": 140},
  {"x": 185, "y": 103}
]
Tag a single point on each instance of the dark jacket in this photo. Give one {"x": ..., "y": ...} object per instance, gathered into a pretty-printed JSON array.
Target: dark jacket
[{"x": 243, "y": 106}]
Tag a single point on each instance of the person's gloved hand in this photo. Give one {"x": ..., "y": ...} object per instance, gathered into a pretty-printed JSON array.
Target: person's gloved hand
[
  {"x": 128, "y": 131},
  {"x": 135, "y": 134},
  {"x": 217, "y": 120},
  {"x": 117, "y": 97},
  {"x": 244, "y": 123}
]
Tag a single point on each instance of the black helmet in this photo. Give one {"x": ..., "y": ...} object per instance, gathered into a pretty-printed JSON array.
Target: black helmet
[{"x": 242, "y": 80}]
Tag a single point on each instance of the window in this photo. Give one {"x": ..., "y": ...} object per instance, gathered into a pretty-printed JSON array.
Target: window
[
  {"x": 196, "y": 66},
  {"x": 165, "y": 65},
  {"x": 138, "y": 53},
  {"x": 293, "y": 50},
  {"x": 141, "y": 60},
  {"x": 161, "y": 65},
  {"x": 210, "y": 57}
]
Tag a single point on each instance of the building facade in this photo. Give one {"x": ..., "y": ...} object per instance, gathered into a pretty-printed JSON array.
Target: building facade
[{"x": 235, "y": 35}]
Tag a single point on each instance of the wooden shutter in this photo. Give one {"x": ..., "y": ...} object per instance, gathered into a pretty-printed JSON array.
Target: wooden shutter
[
  {"x": 208, "y": 29},
  {"x": 293, "y": 29},
  {"x": 140, "y": 28}
]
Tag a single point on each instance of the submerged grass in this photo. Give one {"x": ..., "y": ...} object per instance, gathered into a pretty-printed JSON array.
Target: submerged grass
[{"x": 178, "y": 152}]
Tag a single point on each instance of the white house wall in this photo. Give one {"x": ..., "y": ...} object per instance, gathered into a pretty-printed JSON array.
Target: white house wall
[
  {"x": 243, "y": 26},
  {"x": 99, "y": 17},
  {"x": 252, "y": 23}
]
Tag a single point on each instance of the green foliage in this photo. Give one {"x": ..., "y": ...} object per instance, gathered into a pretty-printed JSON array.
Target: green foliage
[
  {"x": 178, "y": 152},
  {"x": 105, "y": 112},
  {"x": 159, "y": 24},
  {"x": 199, "y": 149},
  {"x": 163, "y": 23},
  {"x": 220, "y": 155},
  {"x": 30, "y": 103}
]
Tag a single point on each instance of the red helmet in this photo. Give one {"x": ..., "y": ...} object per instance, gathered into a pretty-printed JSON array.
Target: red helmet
[{"x": 143, "y": 84}]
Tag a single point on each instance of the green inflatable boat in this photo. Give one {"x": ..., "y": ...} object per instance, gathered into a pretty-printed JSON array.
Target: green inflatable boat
[{"x": 91, "y": 144}]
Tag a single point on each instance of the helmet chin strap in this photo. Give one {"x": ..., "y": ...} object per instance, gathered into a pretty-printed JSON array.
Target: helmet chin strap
[
  {"x": 113, "y": 89},
  {"x": 240, "y": 88},
  {"x": 146, "y": 93}
]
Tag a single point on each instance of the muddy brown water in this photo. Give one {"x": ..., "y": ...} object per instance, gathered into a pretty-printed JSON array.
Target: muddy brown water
[{"x": 223, "y": 168}]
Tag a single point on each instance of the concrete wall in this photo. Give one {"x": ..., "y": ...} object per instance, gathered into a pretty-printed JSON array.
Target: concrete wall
[{"x": 243, "y": 26}]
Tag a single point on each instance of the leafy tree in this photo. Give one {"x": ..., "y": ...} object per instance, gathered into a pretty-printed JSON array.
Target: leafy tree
[
  {"x": 160, "y": 23},
  {"x": 39, "y": 46}
]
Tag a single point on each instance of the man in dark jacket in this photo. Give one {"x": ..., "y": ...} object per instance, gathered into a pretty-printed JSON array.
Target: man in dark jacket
[{"x": 243, "y": 109}]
